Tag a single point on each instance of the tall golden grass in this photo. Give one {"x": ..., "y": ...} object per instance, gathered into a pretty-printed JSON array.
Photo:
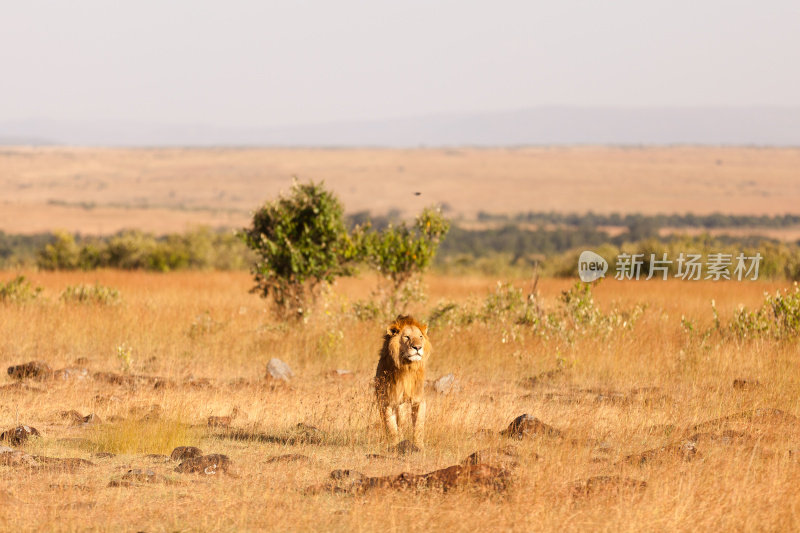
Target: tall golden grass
[{"x": 188, "y": 326}]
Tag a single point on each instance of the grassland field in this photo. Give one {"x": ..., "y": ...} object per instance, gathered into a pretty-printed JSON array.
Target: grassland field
[{"x": 629, "y": 402}]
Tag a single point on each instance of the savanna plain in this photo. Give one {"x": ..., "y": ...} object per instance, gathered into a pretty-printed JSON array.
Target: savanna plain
[{"x": 650, "y": 414}]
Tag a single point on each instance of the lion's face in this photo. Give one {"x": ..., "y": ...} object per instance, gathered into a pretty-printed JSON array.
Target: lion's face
[
  {"x": 412, "y": 344},
  {"x": 408, "y": 342}
]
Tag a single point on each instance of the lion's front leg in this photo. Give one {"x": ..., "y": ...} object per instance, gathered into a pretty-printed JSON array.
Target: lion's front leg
[
  {"x": 390, "y": 423},
  {"x": 418, "y": 421}
]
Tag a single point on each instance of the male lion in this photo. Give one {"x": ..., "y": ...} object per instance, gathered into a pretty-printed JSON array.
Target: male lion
[{"x": 400, "y": 378}]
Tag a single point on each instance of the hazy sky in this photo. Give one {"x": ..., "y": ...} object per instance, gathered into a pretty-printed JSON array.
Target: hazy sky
[{"x": 249, "y": 63}]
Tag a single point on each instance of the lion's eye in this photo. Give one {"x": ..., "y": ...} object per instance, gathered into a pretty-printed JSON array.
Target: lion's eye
[{"x": 406, "y": 337}]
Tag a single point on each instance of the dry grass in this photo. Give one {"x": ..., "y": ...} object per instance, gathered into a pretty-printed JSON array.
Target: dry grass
[
  {"x": 187, "y": 187},
  {"x": 188, "y": 326}
]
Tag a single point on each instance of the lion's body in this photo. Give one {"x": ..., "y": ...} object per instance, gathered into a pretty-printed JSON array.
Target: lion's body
[{"x": 400, "y": 377}]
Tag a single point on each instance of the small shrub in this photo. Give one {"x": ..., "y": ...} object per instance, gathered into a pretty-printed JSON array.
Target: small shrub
[
  {"x": 94, "y": 294},
  {"x": 778, "y": 317},
  {"x": 18, "y": 290}
]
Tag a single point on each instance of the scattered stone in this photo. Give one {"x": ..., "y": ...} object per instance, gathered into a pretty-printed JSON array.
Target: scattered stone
[
  {"x": 746, "y": 384},
  {"x": 185, "y": 452},
  {"x": 726, "y": 437},
  {"x": 526, "y": 425},
  {"x": 606, "y": 484},
  {"x": 18, "y": 435},
  {"x": 37, "y": 370},
  {"x": 341, "y": 374},
  {"x": 81, "y": 361},
  {"x": 206, "y": 464},
  {"x": 104, "y": 455},
  {"x": 503, "y": 457},
  {"x": 404, "y": 448},
  {"x": 446, "y": 479},
  {"x": 71, "y": 374},
  {"x": 158, "y": 457},
  {"x": 219, "y": 421},
  {"x": 445, "y": 384},
  {"x": 163, "y": 384},
  {"x": 278, "y": 370},
  {"x": 288, "y": 458}
]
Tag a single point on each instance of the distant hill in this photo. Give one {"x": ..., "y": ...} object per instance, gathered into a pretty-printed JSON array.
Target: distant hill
[{"x": 771, "y": 126}]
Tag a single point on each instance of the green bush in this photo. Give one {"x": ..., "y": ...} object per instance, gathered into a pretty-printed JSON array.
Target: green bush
[
  {"x": 18, "y": 290},
  {"x": 97, "y": 294},
  {"x": 401, "y": 252},
  {"x": 300, "y": 241},
  {"x": 778, "y": 317}
]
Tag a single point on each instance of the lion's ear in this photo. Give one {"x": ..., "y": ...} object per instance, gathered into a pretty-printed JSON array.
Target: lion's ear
[
  {"x": 423, "y": 328},
  {"x": 393, "y": 330}
]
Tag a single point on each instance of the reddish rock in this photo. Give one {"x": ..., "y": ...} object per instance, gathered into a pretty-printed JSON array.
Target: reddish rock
[
  {"x": 18, "y": 435},
  {"x": 38, "y": 370},
  {"x": 185, "y": 452},
  {"x": 206, "y": 464},
  {"x": 526, "y": 425}
]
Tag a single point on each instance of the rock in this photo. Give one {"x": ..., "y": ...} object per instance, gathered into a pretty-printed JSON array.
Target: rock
[
  {"x": 18, "y": 435},
  {"x": 404, "y": 447},
  {"x": 206, "y": 464},
  {"x": 38, "y": 370},
  {"x": 527, "y": 426},
  {"x": 606, "y": 484},
  {"x": 445, "y": 479},
  {"x": 219, "y": 421},
  {"x": 114, "y": 379},
  {"x": 71, "y": 374},
  {"x": 288, "y": 458},
  {"x": 503, "y": 457},
  {"x": 278, "y": 370},
  {"x": 444, "y": 384},
  {"x": 746, "y": 384},
  {"x": 341, "y": 374},
  {"x": 185, "y": 452}
]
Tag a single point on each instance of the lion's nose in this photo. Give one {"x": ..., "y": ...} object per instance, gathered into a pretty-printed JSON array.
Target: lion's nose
[{"x": 418, "y": 348}]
